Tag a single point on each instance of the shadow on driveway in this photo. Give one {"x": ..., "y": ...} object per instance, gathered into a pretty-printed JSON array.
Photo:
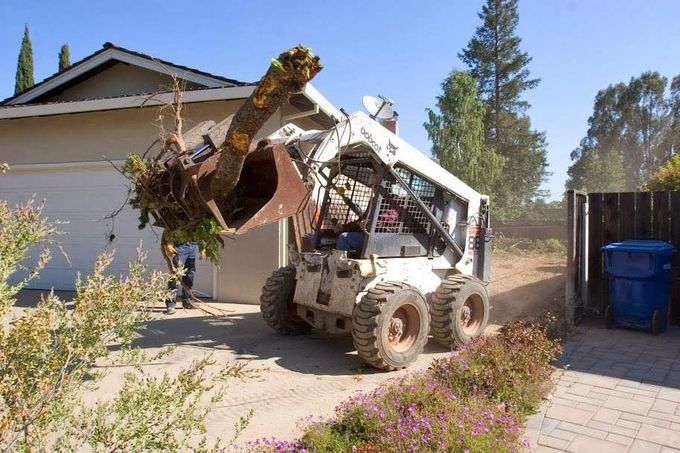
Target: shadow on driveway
[
  {"x": 624, "y": 353},
  {"x": 246, "y": 335}
]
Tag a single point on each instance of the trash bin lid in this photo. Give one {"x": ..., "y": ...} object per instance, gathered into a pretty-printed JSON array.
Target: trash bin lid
[{"x": 640, "y": 246}]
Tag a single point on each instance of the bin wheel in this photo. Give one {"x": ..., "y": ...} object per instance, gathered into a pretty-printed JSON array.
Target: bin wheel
[
  {"x": 656, "y": 322},
  {"x": 608, "y": 317}
]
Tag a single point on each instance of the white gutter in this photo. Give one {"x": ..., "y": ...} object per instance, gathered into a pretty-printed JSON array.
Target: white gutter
[
  {"x": 59, "y": 166},
  {"x": 127, "y": 102},
  {"x": 306, "y": 113},
  {"x": 323, "y": 103}
]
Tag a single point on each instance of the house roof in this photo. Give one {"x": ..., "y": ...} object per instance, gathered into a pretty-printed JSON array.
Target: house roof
[
  {"x": 39, "y": 100},
  {"x": 111, "y": 54}
]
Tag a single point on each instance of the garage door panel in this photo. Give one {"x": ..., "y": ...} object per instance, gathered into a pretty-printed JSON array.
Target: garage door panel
[{"x": 80, "y": 199}]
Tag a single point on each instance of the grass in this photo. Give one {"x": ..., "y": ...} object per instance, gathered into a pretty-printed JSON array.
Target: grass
[{"x": 473, "y": 401}]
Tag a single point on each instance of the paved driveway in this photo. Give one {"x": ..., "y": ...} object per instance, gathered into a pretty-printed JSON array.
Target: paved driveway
[
  {"x": 617, "y": 391},
  {"x": 307, "y": 375}
]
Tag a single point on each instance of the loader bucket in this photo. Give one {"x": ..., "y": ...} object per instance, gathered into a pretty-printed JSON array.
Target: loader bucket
[{"x": 269, "y": 189}]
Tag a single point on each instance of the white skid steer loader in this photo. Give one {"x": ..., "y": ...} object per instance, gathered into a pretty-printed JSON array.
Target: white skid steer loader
[{"x": 390, "y": 247}]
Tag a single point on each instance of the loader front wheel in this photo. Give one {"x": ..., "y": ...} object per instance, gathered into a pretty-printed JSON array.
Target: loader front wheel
[
  {"x": 390, "y": 325},
  {"x": 276, "y": 303},
  {"x": 460, "y": 310}
]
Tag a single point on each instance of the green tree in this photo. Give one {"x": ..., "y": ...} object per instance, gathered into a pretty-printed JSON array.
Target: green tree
[
  {"x": 598, "y": 172},
  {"x": 666, "y": 177},
  {"x": 632, "y": 131},
  {"x": 24, "y": 76},
  {"x": 456, "y": 130},
  {"x": 500, "y": 68},
  {"x": 64, "y": 57},
  {"x": 673, "y": 137}
]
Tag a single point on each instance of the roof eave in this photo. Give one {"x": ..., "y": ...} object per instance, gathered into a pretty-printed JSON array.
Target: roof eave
[
  {"x": 324, "y": 104},
  {"x": 137, "y": 101},
  {"x": 126, "y": 102}
]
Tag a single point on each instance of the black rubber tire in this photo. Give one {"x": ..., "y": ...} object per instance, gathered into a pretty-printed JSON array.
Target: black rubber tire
[
  {"x": 276, "y": 303},
  {"x": 656, "y": 322},
  {"x": 447, "y": 305},
  {"x": 608, "y": 317},
  {"x": 372, "y": 322}
]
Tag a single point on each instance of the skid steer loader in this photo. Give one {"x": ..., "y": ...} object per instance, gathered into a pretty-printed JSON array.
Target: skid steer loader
[{"x": 421, "y": 253}]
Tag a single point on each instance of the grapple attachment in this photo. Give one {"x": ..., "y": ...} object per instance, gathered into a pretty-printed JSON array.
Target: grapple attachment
[{"x": 269, "y": 189}]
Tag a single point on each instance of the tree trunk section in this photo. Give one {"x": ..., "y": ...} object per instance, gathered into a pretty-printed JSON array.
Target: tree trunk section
[{"x": 286, "y": 75}]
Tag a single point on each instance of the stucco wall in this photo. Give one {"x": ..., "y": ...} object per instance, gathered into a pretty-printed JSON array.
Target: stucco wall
[
  {"x": 93, "y": 135},
  {"x": 245, "y": 263}
]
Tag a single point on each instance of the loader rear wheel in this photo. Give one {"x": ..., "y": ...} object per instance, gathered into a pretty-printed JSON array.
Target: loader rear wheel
[
  {"x": 276, "y": 303},
  {"x": 390, "y": 325},
  {"x": 460, "y": 310}
]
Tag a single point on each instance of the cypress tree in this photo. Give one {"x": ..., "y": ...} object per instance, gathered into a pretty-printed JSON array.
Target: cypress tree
[
  {"x": 24, "y": 76},
  {"x": 64, "y": 57}
]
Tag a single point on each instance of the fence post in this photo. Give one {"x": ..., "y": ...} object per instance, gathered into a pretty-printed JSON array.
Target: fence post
[
  {"x": 570, "y": 299},
  {"x": 577, "y": 260}
]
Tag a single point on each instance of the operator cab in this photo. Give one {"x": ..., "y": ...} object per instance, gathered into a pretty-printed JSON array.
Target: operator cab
[{"x": 362, "y": 200}]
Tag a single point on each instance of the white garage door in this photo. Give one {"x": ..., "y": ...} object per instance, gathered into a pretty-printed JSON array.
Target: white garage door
[{"x": 82, "y": 195}]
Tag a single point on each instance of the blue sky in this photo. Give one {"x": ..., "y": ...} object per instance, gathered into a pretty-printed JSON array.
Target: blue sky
[{"x": 396, "y": 48}]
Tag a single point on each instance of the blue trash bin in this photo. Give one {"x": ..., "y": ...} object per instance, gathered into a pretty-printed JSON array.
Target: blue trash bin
[{"x": 639, "y": 284}]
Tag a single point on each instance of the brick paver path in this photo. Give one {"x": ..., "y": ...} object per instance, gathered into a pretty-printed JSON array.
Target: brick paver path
[{"x": 617, "y": 391}]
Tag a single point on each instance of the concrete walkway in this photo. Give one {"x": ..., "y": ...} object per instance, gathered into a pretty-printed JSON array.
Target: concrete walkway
[{"x": 617, "y": 391}]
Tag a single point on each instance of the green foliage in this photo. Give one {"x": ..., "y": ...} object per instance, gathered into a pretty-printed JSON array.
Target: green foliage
[
  {"x": 147, "y": 412},
  {"x": 673, "y": 136},
  {"x": 633, "y": 129},
  {"x": 64, "y": 57},
  {"x": 523, "y": 245},
  {"x": 145, "y": 175},
  {"x": 457, "y": 134},
  {"x": 667, "y": 177},
  {"x": 541, "y": 211},
  {"x": 24, "y": 76},
  {"x": 206, "y": 234},
  {"x": 500, "y": 68},
  {"x": 599, "y": 171},
  {"x": 472, "y": 401},
  {"x": 494, "y": 42},
  {"x": 47, "y": 355},
  {"x": 20, "y": 229}
]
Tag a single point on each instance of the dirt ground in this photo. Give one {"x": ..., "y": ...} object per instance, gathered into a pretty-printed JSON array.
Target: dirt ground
[
  {"x": 526, "y": 286},
  {"x": 309, "y": 375}
]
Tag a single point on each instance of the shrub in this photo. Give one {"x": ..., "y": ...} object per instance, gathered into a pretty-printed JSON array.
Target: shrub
[
  {"x": 666, "y": 177},
  {"x": 473, "y": 401},
  {"x": 47, "y": 355},
  {"x": 522, "y": 245},
  {"x": 511, "y": 368}
]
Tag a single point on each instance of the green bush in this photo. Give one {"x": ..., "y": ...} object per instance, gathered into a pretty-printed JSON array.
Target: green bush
[
  {"x": 506, "y": 244},
  {"x": 667, "y": 177},
  {"x": 48, "y": 355}
]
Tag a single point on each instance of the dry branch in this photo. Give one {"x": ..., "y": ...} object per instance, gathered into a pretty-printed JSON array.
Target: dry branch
[{"x": 163, "y": 184}]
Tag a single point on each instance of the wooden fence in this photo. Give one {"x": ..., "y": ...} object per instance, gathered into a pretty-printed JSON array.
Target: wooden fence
[
  {"x": 597, "y": 219},
  {"x": 531, "y": 231}
]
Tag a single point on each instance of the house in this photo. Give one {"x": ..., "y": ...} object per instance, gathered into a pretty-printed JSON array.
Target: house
[{"x": 61, "y": 136}]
